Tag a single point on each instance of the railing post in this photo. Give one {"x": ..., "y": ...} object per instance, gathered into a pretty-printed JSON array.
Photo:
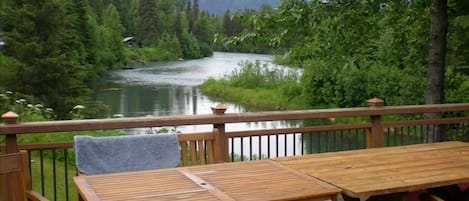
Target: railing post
[
  {"x": 11, "y": 143},
  {"x": 375, "y": 136},
  {"x": 221, "y": 140}
]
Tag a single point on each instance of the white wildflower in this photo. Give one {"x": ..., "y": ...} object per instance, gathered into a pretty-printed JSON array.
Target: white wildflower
[
  {"x": 79, "y": 107},
  {"x": 30, "y": 105},
  {"x": 117, "y": 115}
]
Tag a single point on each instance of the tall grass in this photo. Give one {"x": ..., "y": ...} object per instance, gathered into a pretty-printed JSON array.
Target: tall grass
[{"x": 259, "y": 85}]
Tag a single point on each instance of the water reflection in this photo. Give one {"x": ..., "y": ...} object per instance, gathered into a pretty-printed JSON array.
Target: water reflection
[{"x": 170, "y": 88}]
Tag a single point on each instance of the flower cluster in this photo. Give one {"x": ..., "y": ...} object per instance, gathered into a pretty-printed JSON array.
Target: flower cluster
[{"x": 10, "y": 101}]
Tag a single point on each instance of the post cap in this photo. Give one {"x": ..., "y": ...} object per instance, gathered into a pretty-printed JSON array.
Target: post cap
[
  {"x": 10, "y": 118},
  {"x": 375, "y": 102},
  {"x": 219, "y": 109}
]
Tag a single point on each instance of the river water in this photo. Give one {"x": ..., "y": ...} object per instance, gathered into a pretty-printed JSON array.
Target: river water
[{"x": 171, "y": 88}]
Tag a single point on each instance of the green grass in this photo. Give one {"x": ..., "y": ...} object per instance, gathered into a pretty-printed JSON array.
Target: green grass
[
  {"x": 270, "y": 99},
  {"x": 258, "y": 85},
  {"x": 60, "y": 181}
]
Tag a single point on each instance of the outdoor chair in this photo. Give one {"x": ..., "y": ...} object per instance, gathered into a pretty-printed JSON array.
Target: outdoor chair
[
  {"x": 100, "y": 155},
  {"x": 15, "y": 181},
  {"x": 199, "y": 148}
]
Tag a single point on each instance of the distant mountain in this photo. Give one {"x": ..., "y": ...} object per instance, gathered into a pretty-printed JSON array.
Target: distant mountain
[{"x": 219, "y": 7}]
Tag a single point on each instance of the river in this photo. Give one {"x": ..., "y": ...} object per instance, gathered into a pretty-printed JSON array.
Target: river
[{"x": 171, "y": 88}]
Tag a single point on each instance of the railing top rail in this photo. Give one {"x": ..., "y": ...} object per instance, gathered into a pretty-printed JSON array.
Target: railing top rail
[{"x": 137, "y": 122}]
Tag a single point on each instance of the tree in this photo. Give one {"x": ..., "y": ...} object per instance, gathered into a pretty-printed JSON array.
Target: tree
[
  {"x": 127, "y": 11},
  {"x": 38, "y": 34},
  {"x": 147, "y": 18},
  {"x": 458, "y": 42},
  {"x": 112, "y": 33},
  {"x": 85, "y": 25},
  {"x": 166, "y": 16},
  {"x": 194, "y": 16},
  {"x": 98, "y": 7},
  {"x": 434, "y": 93}
]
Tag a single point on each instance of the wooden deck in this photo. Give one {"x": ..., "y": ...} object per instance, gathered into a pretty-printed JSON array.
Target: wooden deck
[
  {"x": 262, "y": 143},
  {"x": 380, "y": 173}
]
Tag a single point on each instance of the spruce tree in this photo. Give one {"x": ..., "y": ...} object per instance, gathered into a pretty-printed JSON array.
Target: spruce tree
[
  {"x": 147, "y": 18},
  {"x": 38, "y": 35},
  {"x": 113, "y": 31}
]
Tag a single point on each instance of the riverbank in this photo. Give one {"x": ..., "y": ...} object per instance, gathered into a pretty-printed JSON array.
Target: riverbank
[
  {"x": 254, "y": 98},
  {"x": 260, "y": 86}
]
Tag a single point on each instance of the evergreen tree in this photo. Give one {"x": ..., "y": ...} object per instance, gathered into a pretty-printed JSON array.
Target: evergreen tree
[
  {"x": 147, "y": 20},
  {"x": 181, "y": 23},
  {"x": 127, "y": 11},
  {"x": 166, "y": 17},
  {"x": 80, "y": 13},
  {"x": 205, "y": 34},
  {"x": 194, "y": 16},
  {"x": 97, "y": 7},
  {"x": 38, "y": 35},
  {"x": 113, "y": 34},
  {"x": 228, "y": 28},
  {"x": 189, "y": 15}
]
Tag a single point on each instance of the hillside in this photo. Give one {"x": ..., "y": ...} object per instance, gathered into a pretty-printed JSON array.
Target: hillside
[{"x": 219, "y": 7}]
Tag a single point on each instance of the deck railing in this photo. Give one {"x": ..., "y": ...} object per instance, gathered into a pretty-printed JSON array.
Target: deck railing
[{"x": 379, "y": 126}]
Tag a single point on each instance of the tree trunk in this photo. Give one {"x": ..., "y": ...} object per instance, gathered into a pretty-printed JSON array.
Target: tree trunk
[{"x": 434, "y": 93}]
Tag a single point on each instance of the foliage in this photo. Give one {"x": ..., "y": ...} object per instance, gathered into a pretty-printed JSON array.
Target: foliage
[
  {"x": 7, "y": 65},
  {"x": 148, "y": 22},
  {"x": 112, "y": 30},
  {"x": 457, "y": 85},
  {"x": 190, "y": 47},
  {"x": 350, "y": 86},
  {"x": 27, "y": 107},
  {"x": 56, "y": 49},
  {"x": 258, "y": 85},
  {"x": 244, "y": 24},
  {"x": 355, "y": 50},
  {"x": 38, "y": 35},
  {"x": 458, "y": 44}
]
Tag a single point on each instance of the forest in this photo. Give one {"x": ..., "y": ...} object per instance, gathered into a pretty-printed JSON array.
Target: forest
[
  {"x": 54, "y": 50},
  {"x": 349, "y": 51}
]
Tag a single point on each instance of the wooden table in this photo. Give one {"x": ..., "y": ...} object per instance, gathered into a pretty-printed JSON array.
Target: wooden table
[
  {"x": 256, "y": 180},
  {"x": 379, "y": 171}
]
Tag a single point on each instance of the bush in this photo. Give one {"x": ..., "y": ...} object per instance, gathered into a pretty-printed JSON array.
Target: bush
[
  {"x": 190, "y": 46},
  {"x": 326, "y": 85},
  {"x": 8, "y": 70},
  {"x": 167, "y": 48}
]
